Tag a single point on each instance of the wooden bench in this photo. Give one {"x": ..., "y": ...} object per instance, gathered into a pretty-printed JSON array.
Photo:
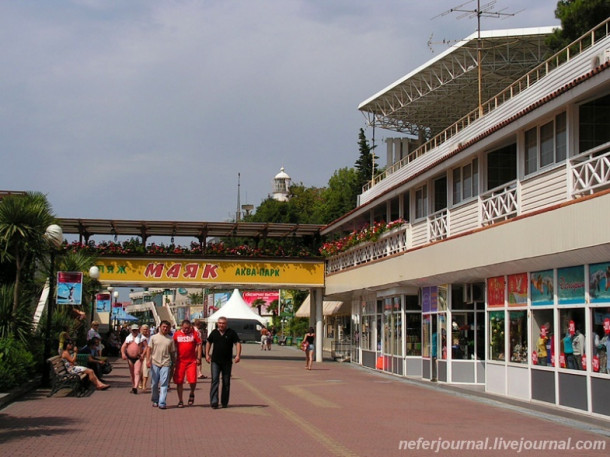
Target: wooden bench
[{"x": 62, "y": 379}]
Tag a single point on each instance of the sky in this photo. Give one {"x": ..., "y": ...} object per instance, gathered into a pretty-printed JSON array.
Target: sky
[{"x": 149, "y": 109}]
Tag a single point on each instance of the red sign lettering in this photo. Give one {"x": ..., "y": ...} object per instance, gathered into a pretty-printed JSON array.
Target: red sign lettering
[
  {"x": 191, "y": 270},
  {"x": 209, "y": 272},
  {"x": 154, "y": 270},
  {"x": 174, "y": 271}
]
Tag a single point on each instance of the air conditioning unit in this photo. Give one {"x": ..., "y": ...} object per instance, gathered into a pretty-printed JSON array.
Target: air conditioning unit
[{"x": 600, "y": 59}]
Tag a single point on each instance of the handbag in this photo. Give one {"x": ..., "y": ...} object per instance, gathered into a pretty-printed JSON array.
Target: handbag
[{"x": 304, "y": 345}]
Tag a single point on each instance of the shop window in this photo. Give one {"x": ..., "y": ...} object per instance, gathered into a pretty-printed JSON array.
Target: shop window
[
  {"x": 572, "y": 341},
  {"x": 392, "y": 326},
  {"x": 600, "y": 340},
  {"x": 427, "y": 335},
  {"x": 367, "y": 337},
  {"x": 466, "y": 182},
  {"x": 414, "y": 330},
  {"x": 518, "y": 336},
  {"x": 545, "y": 144},
  {"x": 496, "y": 335},
  {"x": 543, "y": 338},
  {"x": 462, "y": 336}
]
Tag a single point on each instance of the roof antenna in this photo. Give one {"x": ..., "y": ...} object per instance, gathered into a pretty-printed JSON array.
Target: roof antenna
[{"x": 481, "y": 11}]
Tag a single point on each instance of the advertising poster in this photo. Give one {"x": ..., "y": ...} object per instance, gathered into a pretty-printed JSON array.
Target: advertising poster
[
  {"x": 542, "y": 287},
  {"x": 599, "y": 282},
  {"x": 495, "y": 291},
  {"x": 69, "y": 288},
  {"x": 425, "y": 299},
  {"x": 517, "y": 289},
  {"x": 259, "y": 300},
  {"x": 102, "y": 302},
  {"x": 571, "y": 285}
]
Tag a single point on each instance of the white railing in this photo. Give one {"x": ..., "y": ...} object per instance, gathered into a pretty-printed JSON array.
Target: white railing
[
  {"x": 533, "y": 76},
  {"x": 438, "y": 224},
  {"x": 389, "y": 243},
  {"x": 591, "y": 170},
  {"x": 499, "y": 203}
]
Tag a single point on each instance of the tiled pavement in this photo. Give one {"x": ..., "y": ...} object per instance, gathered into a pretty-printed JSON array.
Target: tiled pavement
[{"x": 278, "y": 408}]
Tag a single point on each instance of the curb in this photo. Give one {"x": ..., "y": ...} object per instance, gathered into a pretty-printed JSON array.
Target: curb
[{"x": 16, "y": 393}]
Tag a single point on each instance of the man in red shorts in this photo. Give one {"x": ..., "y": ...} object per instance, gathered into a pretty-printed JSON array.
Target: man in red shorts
[{"x": 188, "y": 347}]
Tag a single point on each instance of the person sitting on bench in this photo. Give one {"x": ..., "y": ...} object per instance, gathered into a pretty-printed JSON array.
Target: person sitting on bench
[{"x": 70, "y": 362}]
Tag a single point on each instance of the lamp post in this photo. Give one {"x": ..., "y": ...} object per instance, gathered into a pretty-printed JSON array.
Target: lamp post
[
  {"x": 116, "y": 297},
  {"x": 94, "y": 273},
  {"x": 110, "y": 289},
  {"x": 54, "y": 236}
]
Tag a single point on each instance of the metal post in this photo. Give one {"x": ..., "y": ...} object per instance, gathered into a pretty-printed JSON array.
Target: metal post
[{"x": 50, "y": 310}]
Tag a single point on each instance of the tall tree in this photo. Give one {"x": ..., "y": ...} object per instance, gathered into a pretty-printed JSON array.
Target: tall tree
[
  {"x": 366, "y": 165},
  {"x": 340, "y": 196},
  {"x": 577, "y": 17},
  {"x": 23, "y": 222}
]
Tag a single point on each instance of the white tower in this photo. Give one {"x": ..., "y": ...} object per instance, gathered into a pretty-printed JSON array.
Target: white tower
[{"x": 281, "y": 185}]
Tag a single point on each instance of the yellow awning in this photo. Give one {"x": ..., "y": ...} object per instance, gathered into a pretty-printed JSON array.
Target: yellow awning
[{"x": 330, "y": 308}]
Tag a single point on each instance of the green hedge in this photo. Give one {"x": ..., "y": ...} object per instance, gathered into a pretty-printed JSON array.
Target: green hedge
[{"x": 16, "y": 364}]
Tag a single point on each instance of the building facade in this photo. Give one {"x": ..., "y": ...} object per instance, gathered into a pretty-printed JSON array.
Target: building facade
[{"x": 497, "y": 270}]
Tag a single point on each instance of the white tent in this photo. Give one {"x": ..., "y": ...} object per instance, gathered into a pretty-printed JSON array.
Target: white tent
[{"x": 236, "y": 308}]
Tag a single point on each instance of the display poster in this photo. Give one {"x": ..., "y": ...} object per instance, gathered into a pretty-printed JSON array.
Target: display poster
[
  {"x": 69, "y": 288},
  {"x": 102, "y": 302},
  {"x": 571, "y": 285},
  {"x": 599, "y": 282},
  {"x": 517, "y": 289},
  {"x": 425, "y": 299},
  {"x": 495, "y": 291},
  {"x": 542, "y": 287},
  {"x": 260, "y": 299}
]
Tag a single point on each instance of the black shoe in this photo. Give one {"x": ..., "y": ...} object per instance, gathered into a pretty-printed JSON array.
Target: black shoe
[
  {"x": 134, "y": 391},
  {"x": 225, "y": 406},
  {"x": 214, "y": 406}
]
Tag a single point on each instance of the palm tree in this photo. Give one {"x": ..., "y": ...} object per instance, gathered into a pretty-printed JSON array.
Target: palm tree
[
  {"x": 23, "y": 222},
  {"x": 258, "y": 304}
]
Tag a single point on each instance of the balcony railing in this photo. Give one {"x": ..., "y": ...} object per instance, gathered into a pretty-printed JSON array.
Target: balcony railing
[
  {"x": 591, "y": 171},
  {"x": 438, "y": 223},
  {"x": 389, "y": 243},
  {"x": 533, "y": 76},
  {"x": 499, "y": 204}
]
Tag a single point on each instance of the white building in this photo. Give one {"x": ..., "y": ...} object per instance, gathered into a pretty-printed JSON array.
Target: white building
[
  {"x": 506, "y": 245},
  {"x": 281, "y": 186}
]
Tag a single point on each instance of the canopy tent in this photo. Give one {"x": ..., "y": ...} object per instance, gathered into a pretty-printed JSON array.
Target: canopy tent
[
  {"x": 329, "y": 308},
  {"x": 236, "y": 308}
]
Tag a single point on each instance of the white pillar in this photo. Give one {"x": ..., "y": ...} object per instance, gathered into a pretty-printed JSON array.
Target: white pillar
[{"x": 319, "y": 323}]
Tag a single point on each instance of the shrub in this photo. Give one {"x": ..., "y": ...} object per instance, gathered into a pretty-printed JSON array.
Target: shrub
[{"x": 16, "y": 364}]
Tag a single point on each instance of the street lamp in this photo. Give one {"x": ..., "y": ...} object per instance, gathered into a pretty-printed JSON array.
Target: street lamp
[
  {"x": 54, "y": 236},
  {"x": 116, "y": 297},
  {"x": 94, "y": 273},
  {"x": 110, "y": 289}
]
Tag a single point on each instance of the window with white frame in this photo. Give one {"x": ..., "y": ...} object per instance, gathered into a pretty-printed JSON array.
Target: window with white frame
[
  {"x": 466, "y": 181},
  {"x": 545, "y": 144},
  {"x": 421, "y": 202}
]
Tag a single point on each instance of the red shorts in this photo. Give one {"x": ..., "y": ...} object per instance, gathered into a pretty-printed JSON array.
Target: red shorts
[{"x": 188, "y": 369}]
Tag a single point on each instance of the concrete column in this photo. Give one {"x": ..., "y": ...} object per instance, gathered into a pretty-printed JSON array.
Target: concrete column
[{"x": 319, "y": 323}]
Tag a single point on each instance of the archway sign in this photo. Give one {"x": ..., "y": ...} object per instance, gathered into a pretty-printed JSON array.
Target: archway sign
[{"x": 173, "y": 272}]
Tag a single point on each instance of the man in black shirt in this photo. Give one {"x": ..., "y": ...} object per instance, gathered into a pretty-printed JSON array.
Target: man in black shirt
[{"x": 222, "y": 339}]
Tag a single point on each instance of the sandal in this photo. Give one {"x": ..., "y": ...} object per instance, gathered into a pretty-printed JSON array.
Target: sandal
[
  {"x": 180, "y": 404},
  {"x": 191, "y": 399}
]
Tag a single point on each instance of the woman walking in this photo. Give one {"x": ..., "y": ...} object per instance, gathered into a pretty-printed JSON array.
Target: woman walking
[{"x": 308, "y": 343}]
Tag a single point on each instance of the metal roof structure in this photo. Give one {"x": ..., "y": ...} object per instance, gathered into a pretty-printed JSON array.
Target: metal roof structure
[
  {"x": 445, "y": 88},
  {"x": 199, "y": 230}
]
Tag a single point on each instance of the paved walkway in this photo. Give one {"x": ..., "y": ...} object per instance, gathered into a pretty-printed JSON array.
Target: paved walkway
[{"x": 278, "y": 408}]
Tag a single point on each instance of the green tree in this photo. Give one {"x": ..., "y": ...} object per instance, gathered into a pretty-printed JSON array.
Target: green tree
[
  {"x": 577, "y": 17},
  {"x": 23, "y": 222},
  {"x": 366, "y": 165},
  {"x": 340, "y": 196}
]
